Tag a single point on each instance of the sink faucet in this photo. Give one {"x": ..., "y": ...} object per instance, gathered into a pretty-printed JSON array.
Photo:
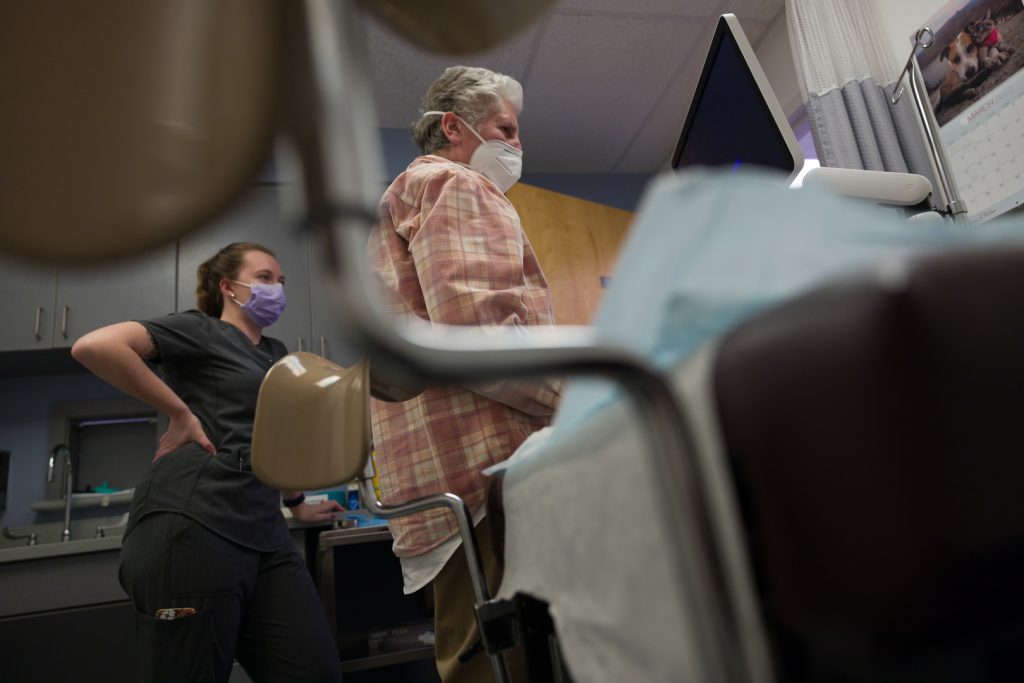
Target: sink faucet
[
  {"x": 30, "y": 537},
  {"x": 60, "y": 450},
  {"x": 120, "y": 525}
]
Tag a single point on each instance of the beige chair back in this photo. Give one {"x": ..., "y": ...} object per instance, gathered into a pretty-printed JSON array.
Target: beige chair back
[
  {"x": 312, "y": 427},
  {"x": 457, "y": 27},
  {"x": 126, "y": 123}
]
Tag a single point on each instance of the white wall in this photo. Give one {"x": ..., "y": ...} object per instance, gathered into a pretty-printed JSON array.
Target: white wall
[
  {"x": 901, "y": 20},
  {"x": 776, "y": 58}
]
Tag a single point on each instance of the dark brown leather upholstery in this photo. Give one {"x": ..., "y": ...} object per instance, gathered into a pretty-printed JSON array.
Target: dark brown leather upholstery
[
  {"x": 494, "y": 503},
  {"x": 877, "y": 443}
]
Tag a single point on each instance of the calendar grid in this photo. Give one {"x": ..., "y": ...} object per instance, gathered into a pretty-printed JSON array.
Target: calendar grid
[{"x": 987, "y": 162}]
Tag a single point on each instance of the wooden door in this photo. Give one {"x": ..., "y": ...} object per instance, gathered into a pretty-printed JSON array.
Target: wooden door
[{"x": 577, "y": 243}]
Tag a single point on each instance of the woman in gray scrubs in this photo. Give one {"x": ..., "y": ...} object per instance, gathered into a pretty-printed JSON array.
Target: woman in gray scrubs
[{"x": 207, "y": 558}]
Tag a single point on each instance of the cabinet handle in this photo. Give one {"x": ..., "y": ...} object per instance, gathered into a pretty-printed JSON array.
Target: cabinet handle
[
  {"x": 323, "y": 348},
  {"x": 64, "y": 322},
  {"x": 301, "y": 345},
  {"x": 39, "y": 323}
]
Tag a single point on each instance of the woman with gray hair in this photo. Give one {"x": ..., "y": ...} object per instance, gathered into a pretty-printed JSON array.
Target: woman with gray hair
[
  {"x": 450, "y": 249},
  {"x": 468, "y": 92}
]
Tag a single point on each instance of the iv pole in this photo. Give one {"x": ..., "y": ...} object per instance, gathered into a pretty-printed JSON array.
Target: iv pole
[{"x": 955, "y": 206}]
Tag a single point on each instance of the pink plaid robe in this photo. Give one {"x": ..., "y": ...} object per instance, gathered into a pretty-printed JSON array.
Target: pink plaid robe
[{"x": 449, "y": 248}]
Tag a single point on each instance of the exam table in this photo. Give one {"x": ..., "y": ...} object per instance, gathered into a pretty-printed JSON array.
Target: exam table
[
  {"x": 850, "y": 386},
  {"x": 867, "y": 435}
]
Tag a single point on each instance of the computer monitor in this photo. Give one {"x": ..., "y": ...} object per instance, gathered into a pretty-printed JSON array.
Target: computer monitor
[{"x": 735, "y": 118}]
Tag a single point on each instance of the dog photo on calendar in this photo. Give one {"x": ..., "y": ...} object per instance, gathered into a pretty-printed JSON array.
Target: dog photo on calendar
[{"x": 979, "y": 44}]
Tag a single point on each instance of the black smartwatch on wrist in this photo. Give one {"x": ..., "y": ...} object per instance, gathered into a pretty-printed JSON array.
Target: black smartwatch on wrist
[{"x": 293, "y": 502}]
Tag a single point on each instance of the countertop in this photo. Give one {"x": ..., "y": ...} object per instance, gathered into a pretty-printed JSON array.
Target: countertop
[
  {"x": 45, "y": 550},
  {"x": 85, "y": 500},
  {"x": 112, "y": 543}
]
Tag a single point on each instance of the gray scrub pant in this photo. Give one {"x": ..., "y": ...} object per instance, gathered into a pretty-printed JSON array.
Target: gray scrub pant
[{"x": 260, "y": 608}]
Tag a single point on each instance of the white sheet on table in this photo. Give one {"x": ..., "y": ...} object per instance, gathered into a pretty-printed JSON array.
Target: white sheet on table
[{"x": 706, "y": 252}]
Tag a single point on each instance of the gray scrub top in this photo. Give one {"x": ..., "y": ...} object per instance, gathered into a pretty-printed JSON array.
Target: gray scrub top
[{"x": 217, "y": 371}]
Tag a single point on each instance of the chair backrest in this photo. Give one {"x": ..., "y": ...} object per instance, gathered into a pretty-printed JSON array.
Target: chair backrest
[
  {"x": 130, "y": 122},
  {"x": 456, "y": 27},
  {"x": 312, "y": 427},
  {"x": 874, "y": 433}
]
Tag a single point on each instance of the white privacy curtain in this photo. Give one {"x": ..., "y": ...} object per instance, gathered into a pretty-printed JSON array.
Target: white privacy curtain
[{"x": 847, "y": 73}]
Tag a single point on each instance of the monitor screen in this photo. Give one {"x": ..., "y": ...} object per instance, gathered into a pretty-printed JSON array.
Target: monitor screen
[{"x": 734, "y": 117}]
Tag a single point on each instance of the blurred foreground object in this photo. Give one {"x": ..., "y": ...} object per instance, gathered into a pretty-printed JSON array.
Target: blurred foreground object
[
  {"x": 456, "y": 27},
  {"x": 132, "y": 122},
  {"x": 129, "y": 122}
]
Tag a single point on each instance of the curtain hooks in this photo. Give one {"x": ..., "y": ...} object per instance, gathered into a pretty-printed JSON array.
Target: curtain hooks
[{"x": 923, "y": 39}]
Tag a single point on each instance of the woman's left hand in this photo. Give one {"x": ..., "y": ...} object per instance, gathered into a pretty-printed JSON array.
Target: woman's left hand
[{"x": 317, "y": 512}]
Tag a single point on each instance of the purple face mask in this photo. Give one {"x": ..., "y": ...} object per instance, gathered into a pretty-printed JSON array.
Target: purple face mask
[{"x": 265, "y": 305}]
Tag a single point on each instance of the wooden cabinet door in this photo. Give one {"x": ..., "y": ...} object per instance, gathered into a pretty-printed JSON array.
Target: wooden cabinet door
[{"x": 577, "y": 242}]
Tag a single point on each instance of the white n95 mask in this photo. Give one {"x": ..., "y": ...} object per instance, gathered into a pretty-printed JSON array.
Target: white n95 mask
[{"x": 499, "y": 162}]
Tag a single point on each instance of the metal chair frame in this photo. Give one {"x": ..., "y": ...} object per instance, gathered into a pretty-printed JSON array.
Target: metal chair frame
[{"x": 342, "y": 160}]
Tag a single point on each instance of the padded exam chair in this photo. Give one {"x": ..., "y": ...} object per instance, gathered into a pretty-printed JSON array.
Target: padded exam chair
[{"x": 874, "y": 432}]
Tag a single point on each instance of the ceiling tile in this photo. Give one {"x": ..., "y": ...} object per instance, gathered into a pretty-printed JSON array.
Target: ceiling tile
[
  {"x": 652, "y": 147},
  {"x": 606, "y": 83},
  {"x": 646, "y": 7},
  {"x": 755, "y": 10},
  {"x": 401, "y": 73},
  {"x": 753, "y": 30},
  {"x": 594, "y": 80}
]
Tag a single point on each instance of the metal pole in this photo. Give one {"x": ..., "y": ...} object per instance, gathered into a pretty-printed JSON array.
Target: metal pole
[{"x": 955, "y": 206}]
